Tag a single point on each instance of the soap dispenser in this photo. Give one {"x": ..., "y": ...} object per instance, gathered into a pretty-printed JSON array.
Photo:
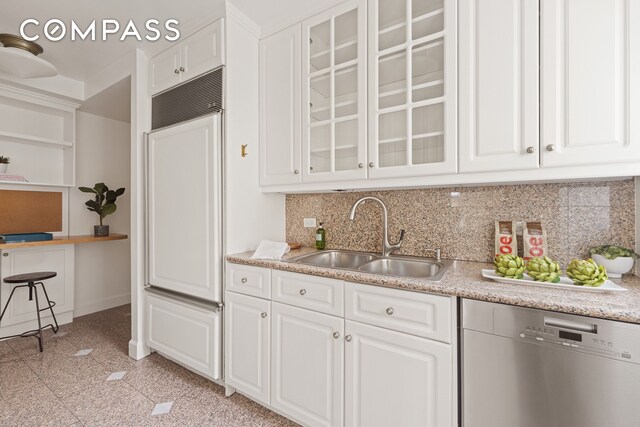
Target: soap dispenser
[{"x": 321, "y": 238}]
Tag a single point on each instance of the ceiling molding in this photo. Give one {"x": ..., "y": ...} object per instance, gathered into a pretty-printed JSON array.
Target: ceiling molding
[{"x": 237, "y": 15}]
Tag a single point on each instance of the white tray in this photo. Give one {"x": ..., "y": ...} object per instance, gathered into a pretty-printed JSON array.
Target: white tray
[{"x": 565, "y": 283}]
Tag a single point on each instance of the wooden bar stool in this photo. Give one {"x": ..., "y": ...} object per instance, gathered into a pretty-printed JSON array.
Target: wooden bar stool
[{"x": 31, "y": 280}]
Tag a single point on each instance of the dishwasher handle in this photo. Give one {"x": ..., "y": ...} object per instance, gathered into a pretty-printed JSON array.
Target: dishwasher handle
[{"x": 570, "y": 324}]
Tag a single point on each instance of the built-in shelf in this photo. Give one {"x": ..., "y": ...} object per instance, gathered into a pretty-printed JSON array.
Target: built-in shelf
[
  {"x": 69, "y": 240},
  {"x": 37, "y": 132},
  {"x": 29, "y": 139},
  {"x": 336, "y": 120},
  {"x": 346, "y": 44},
  {"x": 36, "y": 184},
  {"x": 401, "y": 23},
  {"x": 325, "y": 150},
  {"x": 401, "y": 90}
]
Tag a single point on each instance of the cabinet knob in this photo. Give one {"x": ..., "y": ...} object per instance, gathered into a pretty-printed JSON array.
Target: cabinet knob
[
  {"x": 370, "y": 164},
  {"x": 303, "y": 291},
  {"x": 176, "y": 71},
  {"x": 296, "y": 171},
  {"x": 5, "y": 254},
  {"x": 531, "y": 150},
  {"x": 347, "y": 338},
  {"x": 263, "y": 315},
  {"x": 336, "y": 335},
  {"x": 182, "y": 69},
  {"x": 389, "y": 311},
  {"x": 550, "y": 147},
  {"x": 360, "y": 165},
  {"x": 243, "y": 280}
]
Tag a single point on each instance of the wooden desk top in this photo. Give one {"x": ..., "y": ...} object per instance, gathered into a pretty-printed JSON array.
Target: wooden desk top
[{"x": 70, "y": 240}]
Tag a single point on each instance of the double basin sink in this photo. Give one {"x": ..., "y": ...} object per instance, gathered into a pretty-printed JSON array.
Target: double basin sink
[{"x": 397, "y": 266}]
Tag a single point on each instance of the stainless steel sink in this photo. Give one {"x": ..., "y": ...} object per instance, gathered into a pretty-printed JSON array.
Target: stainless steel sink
[
  {"x": 399, "y": 266},
  {"x": 336, "y": 259},
  {"x": 424, "y": 269}
]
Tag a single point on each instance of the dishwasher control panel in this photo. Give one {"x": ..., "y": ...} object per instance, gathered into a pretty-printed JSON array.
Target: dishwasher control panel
[{"x": 600, "y": 337}]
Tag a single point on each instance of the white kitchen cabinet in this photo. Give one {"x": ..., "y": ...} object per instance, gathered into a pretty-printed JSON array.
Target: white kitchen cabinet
[
  {"x": 247, "y": 345},
  {"x": 184, "y": 253},
  {"x": 396, "y": 379},
  {"x": 165, "y": 70},
  {"x": 412, "y": 88},
  {"x": 590, "y": 81},
  {"x": 334, "y": 99},
  {"x": 498, "y": 89},
  {"x": 60, "y": 288},
  {"x": 307, "y": 365},
  {"x": 193, "y": 55},
  {"x": 185, "y": 331},
  {"x": 280, "y": 105},
  {"x": 202, "y": 51}
]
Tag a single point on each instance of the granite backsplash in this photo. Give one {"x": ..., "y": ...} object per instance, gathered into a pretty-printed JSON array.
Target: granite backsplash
[{"x": 461, "y": 220}]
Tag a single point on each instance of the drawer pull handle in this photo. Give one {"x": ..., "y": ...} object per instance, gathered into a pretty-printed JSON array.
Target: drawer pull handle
[
  {"x": 336, "y": 335},
  {"x": 263, "y": 315},
  {"x": 347, "y": 338},
  {"x": 243, "y": 280},
  {"x": 390, "y": 311},
  {"x": 303, "y": 291}
]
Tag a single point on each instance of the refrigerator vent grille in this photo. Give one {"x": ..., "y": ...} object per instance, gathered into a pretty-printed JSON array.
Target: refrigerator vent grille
[{"x": 195, "y": 98}]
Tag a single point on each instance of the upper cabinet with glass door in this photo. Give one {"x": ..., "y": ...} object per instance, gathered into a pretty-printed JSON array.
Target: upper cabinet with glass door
[
  {"x": 334, "y": 94},
  {"x": 412, "y": 87}
]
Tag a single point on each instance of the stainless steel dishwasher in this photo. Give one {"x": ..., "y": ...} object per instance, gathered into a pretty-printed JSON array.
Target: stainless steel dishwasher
[{"x": 526, "y": 367}]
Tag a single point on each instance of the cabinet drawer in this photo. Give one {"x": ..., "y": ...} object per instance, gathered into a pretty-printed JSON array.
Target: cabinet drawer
[
  {"x": 302, "y": 290},
  {"x": 245, "y": 279},
  {"x": 185, "y": 332},
  {"x": 414, "y": 313}
]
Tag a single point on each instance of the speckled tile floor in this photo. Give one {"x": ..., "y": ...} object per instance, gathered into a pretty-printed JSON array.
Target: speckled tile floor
[{"x": 104, "y": 387}]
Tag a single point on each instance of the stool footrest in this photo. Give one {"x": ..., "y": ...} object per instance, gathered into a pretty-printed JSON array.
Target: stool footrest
[
  {"x": 53, "y": 304},
  {"x": 31, "y": 333}
]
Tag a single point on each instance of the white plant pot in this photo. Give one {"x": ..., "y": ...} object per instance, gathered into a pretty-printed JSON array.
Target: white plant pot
[
  {"x": 615, "y": 267},
  {"x": 3, "y": 167}
]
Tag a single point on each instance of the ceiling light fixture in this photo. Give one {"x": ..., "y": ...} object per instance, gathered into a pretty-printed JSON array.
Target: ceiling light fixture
[{"x": 18, "y": 57}]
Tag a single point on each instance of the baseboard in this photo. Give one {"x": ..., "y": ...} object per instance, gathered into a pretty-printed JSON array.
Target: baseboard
[
  {"x": 137, "y": 350},
  {"x": 103, "y": 304}
]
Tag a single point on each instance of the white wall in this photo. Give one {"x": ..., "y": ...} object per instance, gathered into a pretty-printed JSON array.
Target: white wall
[
  {"x": 102, "y": 270},
  {"x": 250, "y": 215}
]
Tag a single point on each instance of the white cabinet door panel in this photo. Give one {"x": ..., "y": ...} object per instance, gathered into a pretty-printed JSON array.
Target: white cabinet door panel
[
  {"x": 590, "y": 81},
  {"x": 184, "y": 208},
  {"x": 247, "y": 345},
  {"x": 164, "y": 70},
  {"x": 280, "y": 104},
  {"x": 60, "y": 288},
  {"x": 185, "y": 332},
  {"x": 202, "y": 51},
  {"x": 394, "y": 379},
  {"x": 498, "y": 85},
  {"x": 334, "y": 94},
  {"x": 307, "y": 371}
]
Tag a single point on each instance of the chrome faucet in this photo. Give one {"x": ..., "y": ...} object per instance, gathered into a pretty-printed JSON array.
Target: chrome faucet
[{"x": 387, "y": 248}]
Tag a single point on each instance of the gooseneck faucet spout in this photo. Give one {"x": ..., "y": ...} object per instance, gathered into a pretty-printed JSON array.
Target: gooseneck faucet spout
[{"x": 387, "y": 248}]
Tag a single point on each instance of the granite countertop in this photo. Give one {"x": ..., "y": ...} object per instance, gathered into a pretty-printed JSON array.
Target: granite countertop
[{"x": 464, "y": 279}]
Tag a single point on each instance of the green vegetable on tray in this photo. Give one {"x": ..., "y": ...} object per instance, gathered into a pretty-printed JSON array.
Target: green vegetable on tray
[
  {"x": 509, "y": 266},
  {"x": 613, "y": 252},
  {"x": 587, "y": 273},
  {"x": 543, "y": 269}
]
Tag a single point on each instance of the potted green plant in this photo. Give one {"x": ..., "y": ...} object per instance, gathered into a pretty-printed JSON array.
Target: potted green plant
[
  {"x": 4, "y": 162},
  {"x": 104, "y": 203}
]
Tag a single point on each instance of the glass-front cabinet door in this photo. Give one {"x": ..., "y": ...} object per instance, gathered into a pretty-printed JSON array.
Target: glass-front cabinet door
[
  {"x": 412, "y": 87},
  {"x": 334, "y": 104}
]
